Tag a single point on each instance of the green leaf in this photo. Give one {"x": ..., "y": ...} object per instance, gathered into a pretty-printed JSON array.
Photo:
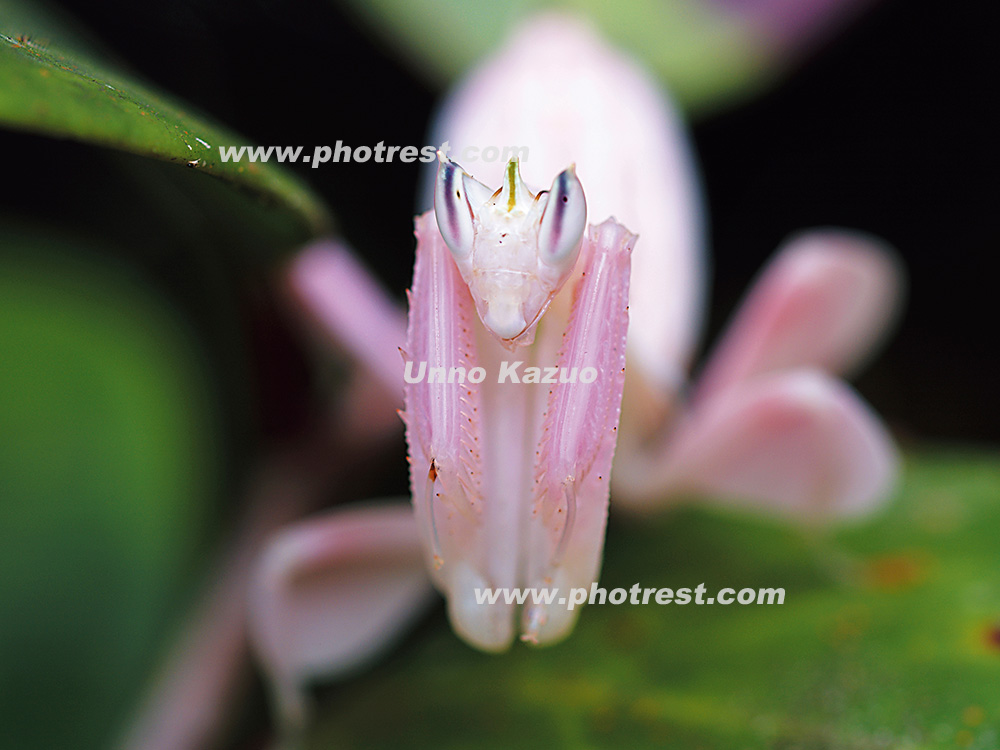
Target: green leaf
[
  {"x": 53, "y": 83},
  {"x": 706, "y": 57},
  {"x": 108, "y": 468},
  {"x": 887, "y": 640}
]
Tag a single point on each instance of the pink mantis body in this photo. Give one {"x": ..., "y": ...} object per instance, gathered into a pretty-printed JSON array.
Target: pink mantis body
[{"x": 510, "y": 479}]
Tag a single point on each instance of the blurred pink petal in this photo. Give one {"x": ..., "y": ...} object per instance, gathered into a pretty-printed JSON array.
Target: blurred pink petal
[
  {"x": 824, "y": 301},
  {"x": 331, "y": 592},
  {"x": 192, "y": 700},
  {"x": 792, "y": 25},
  {"x": 352, "y": 310},
  {"x": 797, "y": 442},
  {"x": 557, "y": 88}
]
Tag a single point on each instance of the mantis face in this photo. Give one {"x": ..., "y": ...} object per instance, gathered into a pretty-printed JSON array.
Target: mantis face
[{"x": 515, "y": 249}]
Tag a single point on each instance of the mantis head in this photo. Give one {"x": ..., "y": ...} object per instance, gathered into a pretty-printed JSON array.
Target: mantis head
[{"x": 515, "y": 249}]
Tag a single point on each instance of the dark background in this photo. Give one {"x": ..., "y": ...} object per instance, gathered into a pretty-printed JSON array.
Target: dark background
[{"x": 890, "y": 129}]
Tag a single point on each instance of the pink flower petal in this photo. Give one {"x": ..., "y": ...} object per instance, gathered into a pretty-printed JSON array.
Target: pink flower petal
[
  {"x": 798, "y": 442},
  {"x": 560, "y": 90},
  {"x": 824, "y": 301},
  {"x": 354, "y": 312},
  {"x": 331, "y": 592}
]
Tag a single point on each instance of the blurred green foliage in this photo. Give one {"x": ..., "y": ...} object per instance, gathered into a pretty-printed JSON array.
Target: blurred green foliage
[
  {"x": 705, "y": 57},
  {"x": 54, "y": 83},
  {"x": 887, "y": 640},
  {"x": 108, "y": 467},
  {"x": 111, "y": 463}
]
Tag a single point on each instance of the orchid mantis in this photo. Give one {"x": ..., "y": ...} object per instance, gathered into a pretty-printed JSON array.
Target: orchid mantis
[{"x": 510, "y": 480}]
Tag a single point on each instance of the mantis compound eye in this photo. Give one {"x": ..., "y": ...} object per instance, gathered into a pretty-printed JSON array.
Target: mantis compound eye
[
  {"x": 563, "y": 222},
  {"x": 457, "y": 196}
]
